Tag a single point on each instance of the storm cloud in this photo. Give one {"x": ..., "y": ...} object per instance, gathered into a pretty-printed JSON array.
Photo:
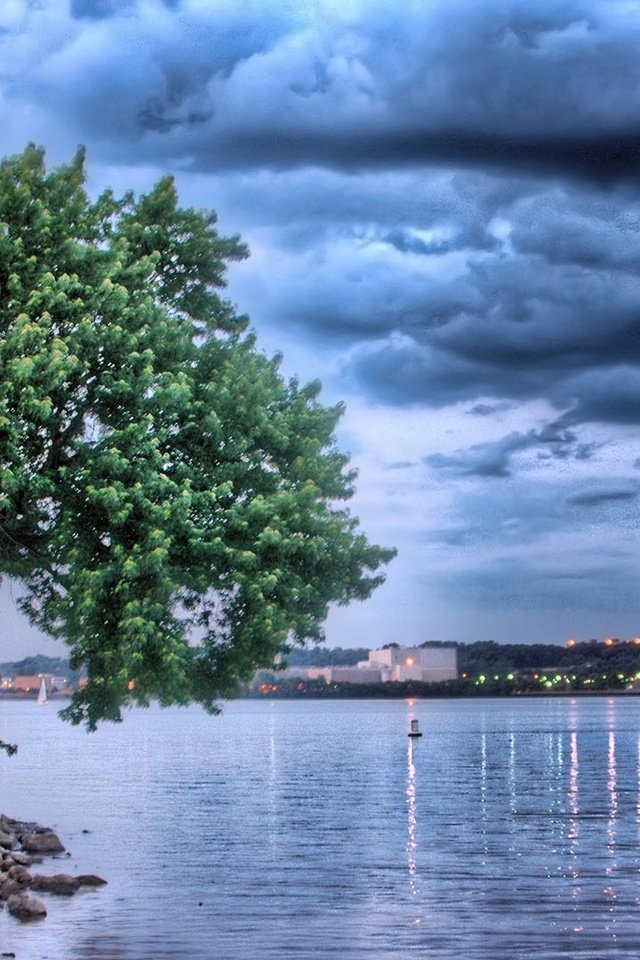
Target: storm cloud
[
  {"x": 443, "y": 210},
  {"x": 533, "y": 86}
]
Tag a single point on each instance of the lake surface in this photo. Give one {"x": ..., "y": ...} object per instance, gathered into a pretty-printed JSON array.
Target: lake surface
[{"x": 318, "y": 829}]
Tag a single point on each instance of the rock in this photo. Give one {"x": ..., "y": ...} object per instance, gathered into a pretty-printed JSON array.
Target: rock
[
  {"x": 9, "y": 825},
  {"x": 9, "y": 887},
  {"x": 21, "y": 858},
  {"x": 6, "y": 823},
  {"x": 90, "y": 880},
  {"x": 62, "y": 883},
  {"x": 26, "y": 908},
  {"x": 7, "y": 840},
  {"x": 19, "y": 873},
  {"x": 46, "y": 842},
  {"x": 19, "y": 839}
]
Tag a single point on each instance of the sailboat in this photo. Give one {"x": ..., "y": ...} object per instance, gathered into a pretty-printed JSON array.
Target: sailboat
[{"x": 42, "y": 695}]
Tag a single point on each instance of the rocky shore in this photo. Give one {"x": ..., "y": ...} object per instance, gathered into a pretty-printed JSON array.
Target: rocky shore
[{"x": 23, "y": 845}]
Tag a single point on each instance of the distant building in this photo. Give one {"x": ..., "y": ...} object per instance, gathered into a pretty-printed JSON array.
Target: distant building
[
  {"x": 365, "y": 674},
  {"x": 426, "y": 664},
  {"x": 29, "y": 683},
  {"x": 318, "y": 673}
]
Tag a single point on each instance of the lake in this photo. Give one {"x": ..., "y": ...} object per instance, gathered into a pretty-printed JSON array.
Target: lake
[{"x": 304, "y": 829}]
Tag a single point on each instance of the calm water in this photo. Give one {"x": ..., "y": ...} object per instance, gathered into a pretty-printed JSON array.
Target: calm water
[{"x": 315, "y": 829}]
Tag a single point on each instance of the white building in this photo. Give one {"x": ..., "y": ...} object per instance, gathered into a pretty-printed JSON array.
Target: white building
[
  {"x": 426, "y": 664},
  {"x": 359, "y": 674}
]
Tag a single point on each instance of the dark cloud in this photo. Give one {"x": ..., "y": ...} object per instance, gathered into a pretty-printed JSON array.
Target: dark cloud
[
  {"x": 99, "y": 9},
  {"x": 482, "y": 460},
  {"x": 531, "y": 314},
  {"x": 177, "y": 102},
  {"x": 492, "y": 290},
  {"x": 486, "y": 409},
  {"x": 593, "y": 230},
  {"x": 596, "y": 498},
  {"x": 490, "y": 87},
  {"x": 494, "y": 459},
  {"x": 406, "y": 242},
  {"x": 609, "y": 157},
  {"x": 103, "y": 9},
  {"x": 516, "y": 325},
  {"x": 277, "y": 84},
  {"x": 607, "y": 395}
]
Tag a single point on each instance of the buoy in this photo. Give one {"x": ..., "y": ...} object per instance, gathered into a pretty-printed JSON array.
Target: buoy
[{"x": 415, "y": 731}]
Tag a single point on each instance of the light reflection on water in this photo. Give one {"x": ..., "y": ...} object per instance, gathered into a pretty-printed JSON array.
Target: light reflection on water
[
  {"x": 314, "y": 829},
  {"x": 412, "y": 844}
]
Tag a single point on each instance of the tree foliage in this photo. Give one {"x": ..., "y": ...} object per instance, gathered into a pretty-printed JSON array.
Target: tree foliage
[{"x": 171, "y": 505}]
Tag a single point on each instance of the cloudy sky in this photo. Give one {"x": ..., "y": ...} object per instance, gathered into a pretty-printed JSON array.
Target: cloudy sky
[{"x": 442, "y": 202}]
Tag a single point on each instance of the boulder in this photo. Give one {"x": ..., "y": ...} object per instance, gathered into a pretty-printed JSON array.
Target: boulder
[
  {"x": 19, "y": 873},
  {"x": 62, "y": 883},
  {"x": 9, "y": 825},
  {"x": 9, "y": 887},
  {"x": 26, "y": 908},
  {"x": 90, "y": 880},
  {"x": 6, "y": 823},
  {"x": 20, "y": 858},
  {"x": 45, "y": 842},
  {"x": 7, "y": 840}
]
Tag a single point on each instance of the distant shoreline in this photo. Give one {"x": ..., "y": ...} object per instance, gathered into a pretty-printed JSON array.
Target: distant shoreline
[
  {"x": 20, "y": 696},
  {"x": 33, "y": 695},
  {"x": 422, "y": 695}
]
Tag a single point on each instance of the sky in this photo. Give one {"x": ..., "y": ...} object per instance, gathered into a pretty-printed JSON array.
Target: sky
[{"x": 442, "y": 203}]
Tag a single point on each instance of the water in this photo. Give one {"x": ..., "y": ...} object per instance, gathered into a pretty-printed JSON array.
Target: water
[{"x": 318, "y": 829}]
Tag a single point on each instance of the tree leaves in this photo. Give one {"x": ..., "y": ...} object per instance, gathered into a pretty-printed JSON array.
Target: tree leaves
[{"x": 167, "y": 500}]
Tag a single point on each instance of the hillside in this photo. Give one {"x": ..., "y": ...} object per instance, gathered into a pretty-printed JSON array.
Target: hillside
[{"x": 32, "y": 666}]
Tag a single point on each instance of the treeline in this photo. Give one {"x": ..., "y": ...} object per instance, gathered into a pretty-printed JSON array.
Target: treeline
[
  {"x": 289, "y": 688},
  {"x": 32, "y": 666},
  {"x": 488, "y": 657},
  {"x": 589, "y": 659},
  {"x": 584, "y": 658}
]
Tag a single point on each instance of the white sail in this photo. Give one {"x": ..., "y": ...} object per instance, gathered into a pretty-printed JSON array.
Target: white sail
[{"x": 42, "y": 695}]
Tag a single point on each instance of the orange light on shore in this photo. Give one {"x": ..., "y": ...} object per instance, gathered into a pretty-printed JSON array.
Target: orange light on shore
[
  {"x": 409, "y": 661},
  {"x": 571, "y": 642}
]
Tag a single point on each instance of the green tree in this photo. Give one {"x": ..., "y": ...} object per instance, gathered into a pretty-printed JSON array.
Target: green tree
[{"x": 170, "y": 504}]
